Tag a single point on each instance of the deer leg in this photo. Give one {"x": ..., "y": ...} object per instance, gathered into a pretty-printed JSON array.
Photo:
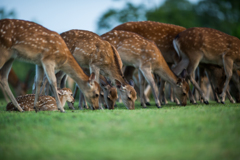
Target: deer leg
[
  {"x": 161, "y": 92},
  {"x": 38, "y": 82},
  {"x": 146, "y": 95},
  {"x": 230, "y": 97},
  {"x": 212, "y": 86},
  {"x": 235, "y": 79},
  {"x": 146, "y": 71},
  {"x": 228, "y": 65},
  {"x": 49, "y": 70},
  {"x": 4, "y": 71},
  {"x": 171, "y": 93},
  {"x": 141, "y": 83},
  {"x": 191, "y": 68},
  {"x": 5, "y": 96}
]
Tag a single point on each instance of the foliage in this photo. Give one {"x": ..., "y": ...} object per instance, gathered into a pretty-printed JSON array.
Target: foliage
[
  {"x": 223, "y": 15},
  {"x": 116, "y": 17},
  {"x": 173, "y": 132}
]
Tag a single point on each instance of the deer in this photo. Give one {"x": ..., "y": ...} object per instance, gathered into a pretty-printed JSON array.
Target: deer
[
  {"x": 46, "y": 103},
  {"x": 108, "y": 94},
  {"x": 144, "y": 55},
  {"x": 31, "y": 42},
  {"x": 162, "y": 34},
  {"x": 96, "y": 54},
  {"x": 208, "y": 46}
]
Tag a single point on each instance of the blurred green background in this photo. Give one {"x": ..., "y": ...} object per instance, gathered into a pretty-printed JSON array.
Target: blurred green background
[{"x": 219, "y": 14}]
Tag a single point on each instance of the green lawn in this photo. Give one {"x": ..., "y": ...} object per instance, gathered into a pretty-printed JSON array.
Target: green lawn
[{"x": 173, "y": 132}]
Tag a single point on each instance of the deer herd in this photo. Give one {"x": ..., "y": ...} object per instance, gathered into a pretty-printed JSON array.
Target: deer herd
[{"x": 103, "y": 66}]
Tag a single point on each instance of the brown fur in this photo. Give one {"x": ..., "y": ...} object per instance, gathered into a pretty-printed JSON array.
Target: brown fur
[
  {"x": 208, "y": 46},
  {"x": 33, "y": 43},
  {"x": 91, "y": 51},
  {"x": 46, "y": 103},
  {"x": 141, "y": 53}
]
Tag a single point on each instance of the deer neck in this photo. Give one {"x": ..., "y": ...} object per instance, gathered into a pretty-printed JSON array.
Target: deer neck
[
  {"x": 73, "y": 70},
  {"x": 167, "y": 75}
]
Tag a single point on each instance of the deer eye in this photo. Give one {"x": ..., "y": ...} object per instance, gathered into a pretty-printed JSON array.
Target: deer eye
[
  {"x": 184, "y": 94},
  {"x": 108, "y": 98},
  {"x": 96, "y": 95},
  {"x": 129, "y": 98}
]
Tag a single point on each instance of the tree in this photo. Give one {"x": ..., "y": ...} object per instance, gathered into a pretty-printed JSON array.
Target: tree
[{"x": 114, "y": 17}]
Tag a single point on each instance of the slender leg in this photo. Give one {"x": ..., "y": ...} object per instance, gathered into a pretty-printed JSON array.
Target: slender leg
[
  {"x": 4, "y": 71},
  {"x": 212, "y": 86},
  {"x": 141, "y": 83},
  {"x": 5, "y": 96},
  {"x": 146, "y": 71},
  {"x": 49, "y": 70},
  {"x": 228, "y": 65},
  {"x": 162, "y": 97},
  {"x": 38, "y": 82}
]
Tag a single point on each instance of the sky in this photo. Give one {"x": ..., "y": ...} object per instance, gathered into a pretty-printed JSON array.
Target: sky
[{"x": 63, "y": 15}]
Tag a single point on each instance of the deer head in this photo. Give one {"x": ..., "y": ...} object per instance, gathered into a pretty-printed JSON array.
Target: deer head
[
  {"x": 181, "y": 89},
  {"x": 128, "y": 94}
]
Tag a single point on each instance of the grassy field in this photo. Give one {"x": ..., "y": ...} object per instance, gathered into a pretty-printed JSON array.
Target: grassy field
[{"x": 173, "y": 132}]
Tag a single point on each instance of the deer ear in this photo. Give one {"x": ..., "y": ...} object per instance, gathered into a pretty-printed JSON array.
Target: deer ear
[
  {"x": 91, "y": 79},
  {"x": 131, "y": 82},
  {"x": 119, "y": 85},
  {"x": 184, "y": 73},
  {"x": 60, "y": 92},
  {"x": 103, "y": 83},
  {"x": 179, "y": 82}
]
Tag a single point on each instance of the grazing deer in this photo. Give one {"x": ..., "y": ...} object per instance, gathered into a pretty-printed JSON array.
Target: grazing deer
[
  {"x": 33, "y": 43},
  {"x": 143, "y": 54},
  {"x": 46, "y": 103},
  {"x": 90, "y": 51},
  {"x": 207, "y": 46},
  {"x": 162, "y": 34}
]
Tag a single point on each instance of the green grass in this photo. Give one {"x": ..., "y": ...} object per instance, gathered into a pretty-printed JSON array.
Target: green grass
[{"x": 173, "y": 132}]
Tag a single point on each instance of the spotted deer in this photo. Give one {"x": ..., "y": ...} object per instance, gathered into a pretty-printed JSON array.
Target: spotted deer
[
  {"x": 162, "y": 34},
  {"x": 144, "y": 55},
  {"x": 108, "y": 94},
  {"x": 207, "y": 46},
  {"x": 46, "y": 103},
  {"x": 33, "y": 43},
  {"x": 90, "y": 51}
]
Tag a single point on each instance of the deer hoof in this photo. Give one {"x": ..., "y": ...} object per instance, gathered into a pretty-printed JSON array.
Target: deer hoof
[
  {"x": 63, "y": 111},
  {"x": 222, "y": 102},
  {"x": 206, "y": 102},
  {"x": 148, "y": 104},
  {"x": 158, "y": 106}
]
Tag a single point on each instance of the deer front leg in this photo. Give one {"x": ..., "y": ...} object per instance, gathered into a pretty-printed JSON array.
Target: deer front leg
[
  {"x": 38, "y": 82},
  {"x": 146, "y": 71},
  {"x": 49, "y": 70},
  {"x": 4, "y": 71},
  {"x": 141, "y": 83},
  {"x": 5, "y": 96},
  {"x": 228, "y": 65},
  {"x": 212, "y": 86},
  {"x": 162, "y": 97}
]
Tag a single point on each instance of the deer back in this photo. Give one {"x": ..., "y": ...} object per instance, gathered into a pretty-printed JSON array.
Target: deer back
[
  {"x": 161, "y": 33},
  {"x": 213, "y": 44},
  {"x": 31, "y": 42}
]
